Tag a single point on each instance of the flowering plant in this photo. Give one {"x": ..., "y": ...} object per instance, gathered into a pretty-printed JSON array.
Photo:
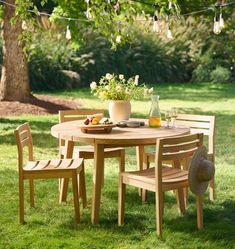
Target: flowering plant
[{"x": 116, "y": 87}]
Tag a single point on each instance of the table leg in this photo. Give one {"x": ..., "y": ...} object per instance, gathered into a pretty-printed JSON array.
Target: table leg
[
  {"x": 140, "y": 160},
  {"x": 97, "y": 182},
  {"x": 65, "y": 181}
]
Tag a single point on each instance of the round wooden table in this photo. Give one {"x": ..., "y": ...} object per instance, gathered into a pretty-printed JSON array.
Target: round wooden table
[{"x": 119, "y": 137}]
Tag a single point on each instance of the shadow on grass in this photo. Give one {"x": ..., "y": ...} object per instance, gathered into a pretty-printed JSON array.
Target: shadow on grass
[{"x": 40, "y": 132}]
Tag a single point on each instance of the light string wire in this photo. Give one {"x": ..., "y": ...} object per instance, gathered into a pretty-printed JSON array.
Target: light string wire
[{"x": 86, "y": 20}]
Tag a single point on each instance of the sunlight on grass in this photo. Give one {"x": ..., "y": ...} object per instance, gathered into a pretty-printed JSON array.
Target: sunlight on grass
[{"x": 50, "y": 225}]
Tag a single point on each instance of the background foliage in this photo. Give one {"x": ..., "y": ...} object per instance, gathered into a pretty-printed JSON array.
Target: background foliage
[{"x": 194, "y": 55}]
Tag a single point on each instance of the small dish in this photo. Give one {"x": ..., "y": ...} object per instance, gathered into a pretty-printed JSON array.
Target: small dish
[
  {"x": 133, "y": 124},
  {"x": 97, "y": 128}
]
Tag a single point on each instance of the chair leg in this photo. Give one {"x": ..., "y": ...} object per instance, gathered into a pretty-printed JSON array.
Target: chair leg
[
  {"x": 121, "y": 189},
  {"x": 159, "y": 212},
  {"x": 185, "y": 163},
  {"x": 82, "y": 187},
  {"x": 121, "y": 201},
  {"x": 180, "y": 200},
  {"x": 212, "y": 189},
  {"x": 199, "y": 212},
  {"x": 21, "y": 200},
  {"x": 146, "y": 165},
  {"x": 139, "y": 160},
  {"x": 185, "y": 192},
  {"x": 75, "y": 196},
  {"x": 31, "y": 193},
  {"x": 63, "y": 189}
]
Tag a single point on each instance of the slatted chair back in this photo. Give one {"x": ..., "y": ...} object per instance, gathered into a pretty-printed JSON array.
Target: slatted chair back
[
  {"x": 78, "y": 114},
  {"x": 175, "y": 149},
  {"x": 23, "y": 138},
  {"x": 200, "y": 124},
  {"x": 163, "y": 178}
]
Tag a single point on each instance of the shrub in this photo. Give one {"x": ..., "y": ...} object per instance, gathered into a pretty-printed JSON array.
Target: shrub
[
  {"x": 220, "y": 75},
  {"x": 150, "y": 55},
  {"x": 52, "y": 62},
  {"x": 201, "y": 74}
]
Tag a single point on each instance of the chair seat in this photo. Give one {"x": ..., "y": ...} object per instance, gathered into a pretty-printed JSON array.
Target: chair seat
[
  {"x": 53, "y": 165},
  {"x": 87, "y": 151},
  {"x": 169, "y": 175}
]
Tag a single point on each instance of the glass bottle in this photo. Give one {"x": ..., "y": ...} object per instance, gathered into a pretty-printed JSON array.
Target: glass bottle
[{"x": 155, "y": 114}]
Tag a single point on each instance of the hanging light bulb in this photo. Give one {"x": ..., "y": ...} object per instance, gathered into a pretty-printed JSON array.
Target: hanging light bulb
[
  {"x": 88, "y": 11},
  {"x": 68, "y": 35},
  {"x": 169, "y": 33},
  {"x": 88, "y": 14},
  {"x": 155, "y": 24},
  {"x": 221, "y": 19},
  {"x": 170, "y": 5},
  {"x": 216, "y": 28}
]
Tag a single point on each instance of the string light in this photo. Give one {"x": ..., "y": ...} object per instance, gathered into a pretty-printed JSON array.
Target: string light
[
  {"x": 155, "y": 24},
  {"x": 170, "y": 5},
  {"x": 221, "y": 19},
  {"x": 216, "y": 28},
  {"x": 88, "y": 11},
  {"x": 68, "y": 35},
  {"x": 218, "y": 22},
  {"x": 169, "y": 33}
]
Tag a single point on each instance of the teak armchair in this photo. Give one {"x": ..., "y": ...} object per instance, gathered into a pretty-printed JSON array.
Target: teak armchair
[
  {"x": 44, "y": 169},
  {"x": 87, "y": 151},
  {"x": 198, "y": 124},
  {"x": 161, "y": 178}
]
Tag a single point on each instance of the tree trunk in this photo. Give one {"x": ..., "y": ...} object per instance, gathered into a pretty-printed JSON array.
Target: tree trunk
[{"x": 14, "y": 84}]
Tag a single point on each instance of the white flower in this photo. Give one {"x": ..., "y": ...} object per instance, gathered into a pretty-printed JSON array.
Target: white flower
[
  {"x": 121, "y": 76},
  {"x": 118, "y": 39},
  {"x": 136, "y": 82},
  {"x": 118, "y": 88},
  {"x": 93, "y": 85},
  {"x": 150, "y": 91},
  {"x": 107, "y": 87},
  {"x": 146, "y": 91},
  {"x": 24, "y": 25},
  {"x": 108, "y": 76}
]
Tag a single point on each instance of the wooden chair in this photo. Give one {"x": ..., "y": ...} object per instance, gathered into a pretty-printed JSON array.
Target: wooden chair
[
  {"x": 162, "y": 178},
  {"x": 198, "y": 124},
  {"x": 87, "y": 151},
  {"x": 44, "y": 169}
]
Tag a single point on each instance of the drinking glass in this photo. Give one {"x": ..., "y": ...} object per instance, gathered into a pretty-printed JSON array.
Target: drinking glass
[
  {"x": 168, "y": 118},
  {"x": 173, "y": 116}
]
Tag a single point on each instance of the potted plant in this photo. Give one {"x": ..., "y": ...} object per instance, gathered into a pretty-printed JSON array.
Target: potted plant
[{"x": 119, "y": 91}]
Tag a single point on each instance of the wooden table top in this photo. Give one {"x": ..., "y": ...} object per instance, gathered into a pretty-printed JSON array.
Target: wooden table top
[{"x": 126, "y": 135}]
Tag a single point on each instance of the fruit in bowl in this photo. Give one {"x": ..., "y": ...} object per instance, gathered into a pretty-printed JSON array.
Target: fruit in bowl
[{"x": 97, "y": 119}]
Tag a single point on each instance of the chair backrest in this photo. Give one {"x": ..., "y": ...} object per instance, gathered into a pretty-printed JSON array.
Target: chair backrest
[
  {"x": 78, "y": 114},
  {"x": 200, "y": 124},
  {"x": 23, "y": 138},
  {"x": 175, "y": 149}
]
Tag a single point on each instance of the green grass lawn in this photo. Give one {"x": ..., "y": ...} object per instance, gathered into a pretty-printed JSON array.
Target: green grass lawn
[{"x": 51, "y": 225}]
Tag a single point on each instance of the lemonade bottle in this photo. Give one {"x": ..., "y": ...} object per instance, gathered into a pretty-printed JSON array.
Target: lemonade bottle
[{"x": 155, "y": 114}]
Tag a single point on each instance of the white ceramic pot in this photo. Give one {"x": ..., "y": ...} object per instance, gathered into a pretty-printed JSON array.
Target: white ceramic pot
[{"x": 119, "y": 110}]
